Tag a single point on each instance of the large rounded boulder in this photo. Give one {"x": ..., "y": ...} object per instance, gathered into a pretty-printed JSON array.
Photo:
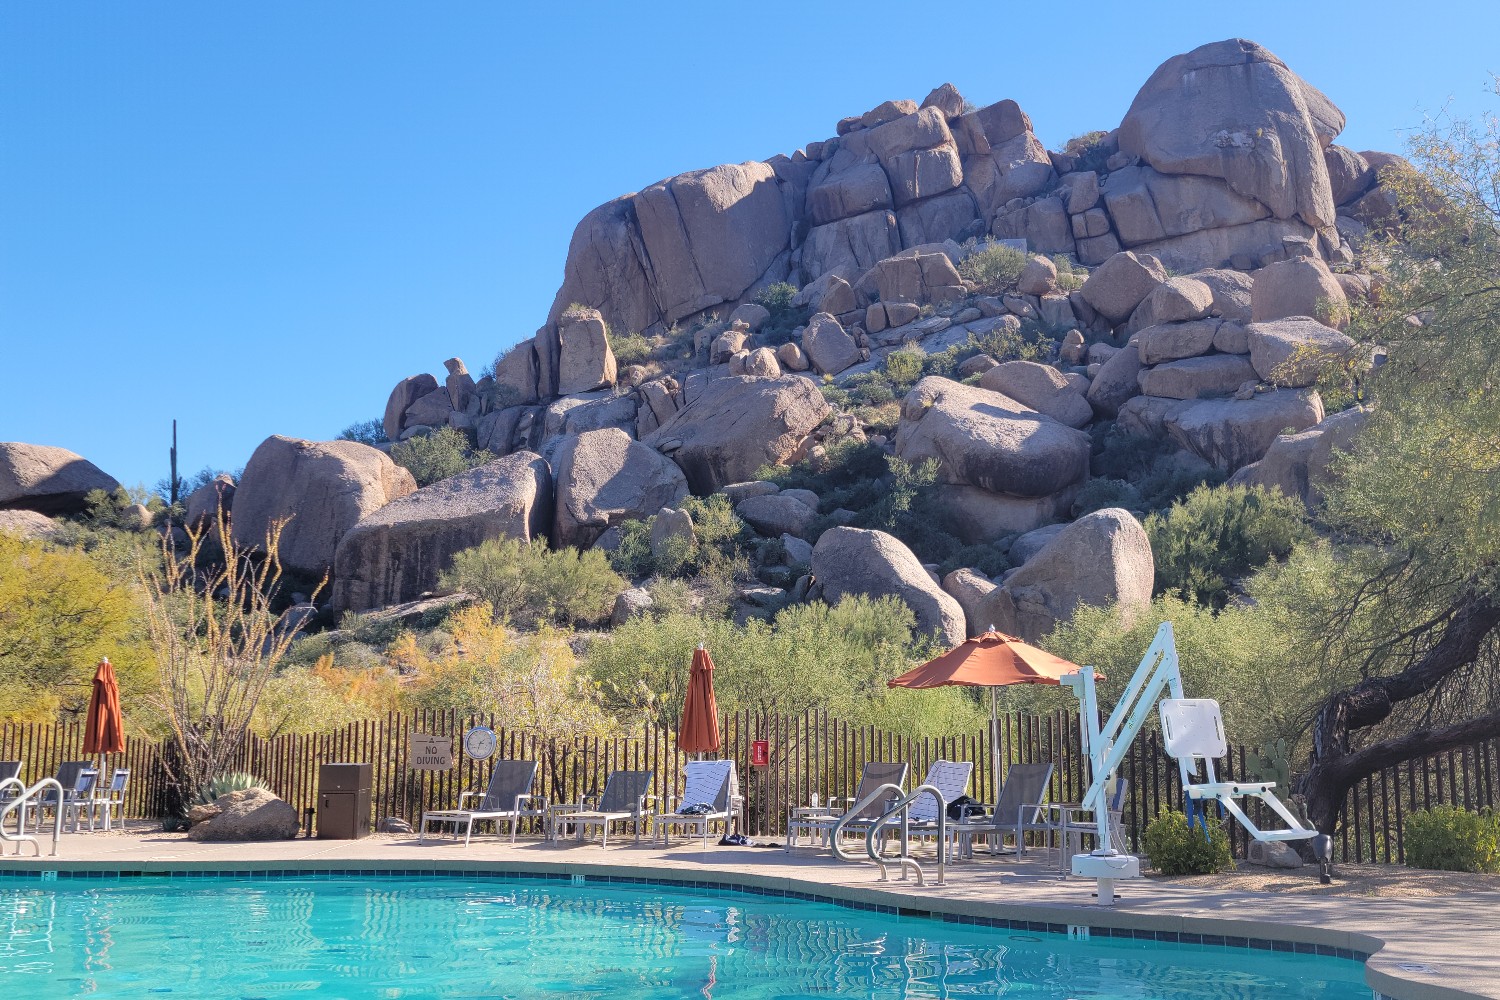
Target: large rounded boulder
[
  {"x": 605, "y": 477},
  {"x": 320, "y": 489},
  {"x": 1101, "y": 559},
  {"x": 397, "y": 553},
  {"x": 732, "y": 426},
  {"x": 48, "y": 480},
  {"x": 849, "y": 561},
  {"x": 1233, "y": 110},
  {"x": 986, "y": 439}
]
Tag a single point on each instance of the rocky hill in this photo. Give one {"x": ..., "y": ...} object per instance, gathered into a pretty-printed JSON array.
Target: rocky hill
[{"x": 1182, "y": 279}]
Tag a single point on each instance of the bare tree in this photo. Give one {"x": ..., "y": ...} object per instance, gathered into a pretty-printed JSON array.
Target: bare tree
[{"x": 217, "y": 642}]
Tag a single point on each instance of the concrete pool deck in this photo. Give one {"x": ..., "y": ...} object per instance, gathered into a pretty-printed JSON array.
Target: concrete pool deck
[{"x": 1442, "y": 947}]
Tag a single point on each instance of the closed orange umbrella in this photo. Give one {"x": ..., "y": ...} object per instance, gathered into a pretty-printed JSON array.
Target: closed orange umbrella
[
  {"x": 104, "y": 730},
  {"x": 699, "y": 730}
]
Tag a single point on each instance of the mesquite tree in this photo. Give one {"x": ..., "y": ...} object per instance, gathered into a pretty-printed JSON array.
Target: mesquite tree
[
  {"x": 217, "y": 642},
  {"x": 1417, "y": 501}
]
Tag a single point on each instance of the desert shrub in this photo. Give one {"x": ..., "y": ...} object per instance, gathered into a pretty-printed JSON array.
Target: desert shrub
[
  {"x": 1098, "y": 494},
  {"x": 371, "y": 432},
  {"x": 1216, "y": 535},
  {"x": 1070, "y": 277},
  {"x": 1030, "y": 343},
  {"x": 717, "y": 555},
  {"x": 785, "y": 317},
  {"x": 1453, "y": 840},
  {"x": 992, "y": 268},
  {"x": 629, "y": 348},
  {"x": 485, "y": 666},
  {"x": 529, "y": 583},
  {"x": 221, "y": 784},
  {"x": 1159, "y": 471},
  {"x": 867, "y": 389},
  {"x": 443, "y": 453},
  {"x": 809, "y": 656},
  {"x": 1175, "y": 849},
  {"x": 61, "y": 609},
  {"x": 1089, "y": 150},
  {"x": 904, "y": 367}
]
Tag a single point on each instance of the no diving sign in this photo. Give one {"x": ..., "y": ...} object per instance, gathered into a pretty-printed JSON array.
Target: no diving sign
[{"x": 431, "y": 753}]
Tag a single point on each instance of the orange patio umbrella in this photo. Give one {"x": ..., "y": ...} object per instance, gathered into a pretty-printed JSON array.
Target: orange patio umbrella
[
  {"x": 104, "y": 726},
  {"x": 993, "y": 660},
  {"x": 699, "y": 730}
]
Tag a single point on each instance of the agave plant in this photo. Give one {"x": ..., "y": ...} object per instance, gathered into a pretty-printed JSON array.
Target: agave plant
[{"x": 232, "y": 781}]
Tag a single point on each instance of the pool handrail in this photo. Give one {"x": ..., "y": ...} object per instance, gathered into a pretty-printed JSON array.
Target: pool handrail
[
  {"x": 20, "y": 802},
  {"x": 904, "y": 859}
]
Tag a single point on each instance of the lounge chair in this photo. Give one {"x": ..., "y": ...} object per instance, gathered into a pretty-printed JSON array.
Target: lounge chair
[
  {"x": 112, "y": 799},
  {"x": 951, "y": 779},
  {"x": 711, "y": 793},
  {"x": 1079, "y": 822},
  {"x": 77, "y": 780},
  {"x": 820, "y": 823},
  {"x": 1018, "y": 810},
  {"x": 624, "y": 800},
  {"x": 508, "y": 797}
]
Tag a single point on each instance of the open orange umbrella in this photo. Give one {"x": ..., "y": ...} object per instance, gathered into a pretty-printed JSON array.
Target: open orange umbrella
[
  {"x": 699, "y": 729},
  {"x": 991, "y": 660}
]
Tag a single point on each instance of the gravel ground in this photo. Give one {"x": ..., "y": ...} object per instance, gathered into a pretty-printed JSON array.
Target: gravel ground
[{"x": 1349, "y": 880}]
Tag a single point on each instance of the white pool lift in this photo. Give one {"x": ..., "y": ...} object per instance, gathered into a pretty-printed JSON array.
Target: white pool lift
[{"x": 1192, "y": 732}]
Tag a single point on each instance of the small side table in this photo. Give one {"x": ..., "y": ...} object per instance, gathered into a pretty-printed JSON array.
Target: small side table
[
  {"x": 552, "y": 824},
  {"x": 1062, "y": 827}
]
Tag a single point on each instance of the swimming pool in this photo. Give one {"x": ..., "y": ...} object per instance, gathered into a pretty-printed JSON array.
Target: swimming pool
[{"x": 472, "y": 936}]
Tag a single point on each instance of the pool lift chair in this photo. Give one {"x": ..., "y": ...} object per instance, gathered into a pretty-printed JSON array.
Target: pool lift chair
[{"x": 1192, "y": 732}]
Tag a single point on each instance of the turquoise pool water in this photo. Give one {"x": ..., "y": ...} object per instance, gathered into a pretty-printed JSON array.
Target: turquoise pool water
[{"x": 406, "y": 937}]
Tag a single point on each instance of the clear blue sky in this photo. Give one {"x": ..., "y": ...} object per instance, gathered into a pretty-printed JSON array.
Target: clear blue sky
[{"x": 257, "y": 217}]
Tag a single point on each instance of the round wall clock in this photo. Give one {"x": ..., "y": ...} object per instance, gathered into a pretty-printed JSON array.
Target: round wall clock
[{"x": 479, "y": 742}]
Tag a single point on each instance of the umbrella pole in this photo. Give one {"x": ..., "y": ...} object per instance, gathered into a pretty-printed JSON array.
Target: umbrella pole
[{"x": 995, "y": 743}]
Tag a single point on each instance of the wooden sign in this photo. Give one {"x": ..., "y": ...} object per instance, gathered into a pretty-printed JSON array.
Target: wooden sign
[{"x": 431, "y": 753}]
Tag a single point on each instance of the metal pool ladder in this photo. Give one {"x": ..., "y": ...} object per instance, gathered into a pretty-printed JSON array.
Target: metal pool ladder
[
  {"x": 898, "y": 811},
  {"x": 20, "y": 803}
]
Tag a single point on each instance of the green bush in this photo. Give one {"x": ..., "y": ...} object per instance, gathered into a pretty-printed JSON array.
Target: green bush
[
  {"x": 528, "y": 583},
  {"x": 1173, "y": 849},
  {"x": 1220, "y": 534},
  {"x": 1100, "y": 493},
  {"x": 785, "y": 317},
  {"x": 1089, "y": 150},
  {"x": 1153, "y": 465},
  {"x": 992, "y": 268},
  {"x": 1453, "y": 840},
  {"x": 233, "y": 781},
  {"x": 904, "y": 367},
  {"x": 443, "y": 453},
  {"x": 371, "y": 432},
  {"x": 630, "y": 348}
]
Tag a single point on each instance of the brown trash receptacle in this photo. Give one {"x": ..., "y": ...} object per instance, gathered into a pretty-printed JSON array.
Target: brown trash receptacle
[{"x": 344, "y": 801}]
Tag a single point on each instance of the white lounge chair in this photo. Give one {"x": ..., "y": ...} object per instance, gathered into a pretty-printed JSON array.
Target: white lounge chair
[
  {"x": 951, "y": 779},
  {"x": 508, "y": 798},
  {"x": 624, "y": 800},
  {"x": 111, "y": 799},
  {"x": 712, "y": 791}
]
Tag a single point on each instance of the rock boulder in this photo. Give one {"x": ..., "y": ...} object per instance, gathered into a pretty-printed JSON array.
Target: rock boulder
[
  {"x": 48, "y": 480},
  {"x": 324, "y": 487},
  {"x": 1103, "y": 558},
  {"x": 724, "y": 434},
  {"x": 848, "y": 561},
  {"x": 986, "y": 439},
  {"x": 397, "y": 553},
  {"x": 605, "y": 477},
  {"x": 249, "y": 814}
]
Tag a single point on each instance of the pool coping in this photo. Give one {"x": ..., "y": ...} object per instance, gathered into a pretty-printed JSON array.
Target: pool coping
[{"x": 1265, "y": 935}]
